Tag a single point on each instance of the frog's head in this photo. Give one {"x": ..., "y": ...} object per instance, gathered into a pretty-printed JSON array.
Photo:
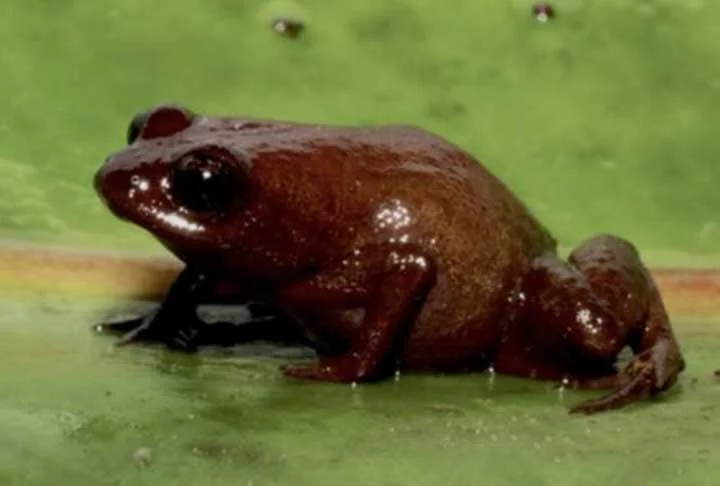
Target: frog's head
[{"x": 180, "y": 179}]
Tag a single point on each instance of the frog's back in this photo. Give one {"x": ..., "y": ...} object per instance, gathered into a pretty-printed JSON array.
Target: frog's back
[
  {"x": 447, "y": 189},
  {"x": 451, "y": 195}
]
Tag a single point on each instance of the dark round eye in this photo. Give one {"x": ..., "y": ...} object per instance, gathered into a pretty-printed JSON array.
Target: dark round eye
[
  {"x": 203, "y": 183},
  {"x": 136, "y": 126}
]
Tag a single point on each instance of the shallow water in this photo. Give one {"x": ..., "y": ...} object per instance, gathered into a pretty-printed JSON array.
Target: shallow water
[{"x": 75, "y": 411}]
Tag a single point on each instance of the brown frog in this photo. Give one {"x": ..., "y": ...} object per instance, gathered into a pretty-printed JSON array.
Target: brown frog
[{"x": 386, "y": 248}]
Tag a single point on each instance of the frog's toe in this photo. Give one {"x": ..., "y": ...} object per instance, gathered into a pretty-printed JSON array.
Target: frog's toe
[
  {"x": 178, "y": 338},
  {"x": 337, "y": 369},
  {"x": 598, "y": 383},
  {"x": 637, "y": 389},
  {"x": 649, "y": 374},
  {"x": 154, "y": 328},
  {"x": 302, "y": 371},
  {"x": 118, "y": 327}
]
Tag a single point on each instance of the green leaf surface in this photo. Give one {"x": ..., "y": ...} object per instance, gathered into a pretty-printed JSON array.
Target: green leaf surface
[
  {"x": 75, "y": 411},
  {"x": 604, "y": 120}
]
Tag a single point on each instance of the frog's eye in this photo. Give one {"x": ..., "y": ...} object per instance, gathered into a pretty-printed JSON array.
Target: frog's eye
[
  {"x": 161, "y": 121},
  {"x": 205, "y": 182}
]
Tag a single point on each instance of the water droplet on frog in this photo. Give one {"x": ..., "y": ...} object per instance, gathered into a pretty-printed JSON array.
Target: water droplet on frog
[
  {"x": 543, "y": 12},
  {"x": 353, "y": 385},
  {"x": 491, "y": 378},
  {"x": 561, "y": 389}
]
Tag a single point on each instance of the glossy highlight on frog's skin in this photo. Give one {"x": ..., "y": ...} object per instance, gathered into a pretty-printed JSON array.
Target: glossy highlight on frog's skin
[{"x": 384, "y": 248}]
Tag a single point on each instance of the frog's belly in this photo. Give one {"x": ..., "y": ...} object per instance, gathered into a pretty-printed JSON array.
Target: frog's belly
[
  {"x": 459, "y": 326},
  {"x": 465, "y": 350}
]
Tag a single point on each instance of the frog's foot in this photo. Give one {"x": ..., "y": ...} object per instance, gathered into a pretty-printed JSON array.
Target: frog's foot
[
  {"x": 156, "y": 328},
  {"x": 650, "y": 373},
  {"x": 188, "y": 332},
  {"x": 175, "y": 323},
  {"x": 341, "y": 369}
]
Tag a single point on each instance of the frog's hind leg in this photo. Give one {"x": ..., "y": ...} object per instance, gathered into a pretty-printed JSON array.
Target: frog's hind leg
[
  {"x": 571, "y": 320},
  {"x": 614, "y": 271}
]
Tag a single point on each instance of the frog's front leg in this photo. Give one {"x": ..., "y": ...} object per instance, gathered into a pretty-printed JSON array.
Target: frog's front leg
[
  {"x": 176, "y": 324},
  {"x": 391, "y": 286}
]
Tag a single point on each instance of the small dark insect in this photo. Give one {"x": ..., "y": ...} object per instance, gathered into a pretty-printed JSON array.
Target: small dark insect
[
  {"x": 543, "y": 12},
  {"x": 716, "y": 374},
  {"x": 288, "y": 28}
]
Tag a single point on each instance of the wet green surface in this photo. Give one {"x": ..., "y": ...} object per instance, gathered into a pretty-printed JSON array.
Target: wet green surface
[
  {"x": 603, "y": 121},
  {"x": 73, "y": 411}
]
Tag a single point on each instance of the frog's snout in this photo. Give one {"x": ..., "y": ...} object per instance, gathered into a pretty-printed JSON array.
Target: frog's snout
[
  {"x": 99, "y": 181},
  {"x": 110, "y": 186}
]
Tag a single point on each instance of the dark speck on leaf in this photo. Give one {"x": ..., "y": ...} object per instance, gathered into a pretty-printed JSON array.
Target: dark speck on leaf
[
  {"x": 288, "y": 28},
  {"x": 543, "y": 12},
  {"x": 716, "y": 374}
]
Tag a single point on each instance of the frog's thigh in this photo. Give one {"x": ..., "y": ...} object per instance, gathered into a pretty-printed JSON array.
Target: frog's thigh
[
  {"x": 558, "y": 327},
  {"x": 559, "y": 309}
]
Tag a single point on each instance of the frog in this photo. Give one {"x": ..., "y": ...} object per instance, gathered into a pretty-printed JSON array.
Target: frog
[{"x": 384, "y": 248}]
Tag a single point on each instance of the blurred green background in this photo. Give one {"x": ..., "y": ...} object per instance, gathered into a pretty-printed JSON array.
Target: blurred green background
[{"x": 604, "y": 120}]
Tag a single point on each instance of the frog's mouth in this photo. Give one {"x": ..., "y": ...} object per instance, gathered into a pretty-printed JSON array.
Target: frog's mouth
[{"x": 108, "y": 196}]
